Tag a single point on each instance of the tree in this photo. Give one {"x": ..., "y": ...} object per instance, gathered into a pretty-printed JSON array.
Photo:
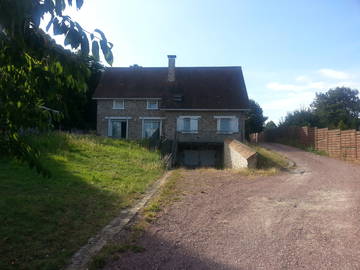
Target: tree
[
  {"x": 36, "y": 73},
  {"x": 339, "y": 107},
  {"x": 301, "y": 117},
  {"x": 270, "y": 125},
  {"x": 255, "y": 119},
  {"x": 21, "y": 18}
]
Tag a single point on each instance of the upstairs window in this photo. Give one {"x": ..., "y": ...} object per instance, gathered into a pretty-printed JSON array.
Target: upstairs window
[
  {"x": 118, "y": 104},
  {"x": 188, "y": 124},
  {"x": 227, "y": 124},
  {"x": 152, "y": 104}
]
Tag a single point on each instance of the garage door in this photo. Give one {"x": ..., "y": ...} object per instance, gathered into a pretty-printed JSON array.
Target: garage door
[{"x": 199, "y": 158}]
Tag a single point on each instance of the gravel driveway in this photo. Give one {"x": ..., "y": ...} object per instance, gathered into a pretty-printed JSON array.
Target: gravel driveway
[{"x": 308, "y": 219}]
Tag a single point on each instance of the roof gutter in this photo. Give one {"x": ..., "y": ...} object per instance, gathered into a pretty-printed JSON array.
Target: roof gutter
[
  {"x": 203, "y": 110},
  {"x": 94, "y": 98}
]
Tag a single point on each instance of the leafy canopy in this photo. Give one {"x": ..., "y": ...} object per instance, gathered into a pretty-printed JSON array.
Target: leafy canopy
[
  {"x": 301, "y": 117},
  {"x": 37, "y": 75},
  {"x": 337, "y": 108},
  {"x": 270, "y": 125},
  {"x": 255, "y": 119},
  {"x": 18, "y": 16}
]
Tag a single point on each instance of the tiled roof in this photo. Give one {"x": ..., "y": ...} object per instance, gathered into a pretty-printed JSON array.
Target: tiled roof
[{"x": 212, "y": 88}]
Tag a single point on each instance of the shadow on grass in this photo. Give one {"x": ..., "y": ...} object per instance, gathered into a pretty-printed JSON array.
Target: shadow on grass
[{"x": 45, "y": 221}]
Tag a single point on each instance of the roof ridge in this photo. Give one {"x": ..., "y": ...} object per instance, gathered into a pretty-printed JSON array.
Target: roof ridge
[{"x": 199, "y": 67}]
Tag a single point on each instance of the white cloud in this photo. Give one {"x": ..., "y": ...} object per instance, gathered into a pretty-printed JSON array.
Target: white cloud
[
  {"x": 300, "y": 91},
  {"x": 302, "y": 78},
  {"x": 334, "y": 74},
  {"x": 308, "y": 86},
  {"x": 290, "y": 102},
  {"x": 311, "y": 86},
  {"x": 284, "y": 87}
]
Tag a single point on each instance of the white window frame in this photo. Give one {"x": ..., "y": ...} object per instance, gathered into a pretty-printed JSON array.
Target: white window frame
[
  {"x": 150, "y": 118},
  {"x": 149, "y": 101},
  {"x": 180, "y": 124},
  {"x": 121, "y": 102},
  {"x": 117, "y": 118},
  {"x": 234, "y": 124}
]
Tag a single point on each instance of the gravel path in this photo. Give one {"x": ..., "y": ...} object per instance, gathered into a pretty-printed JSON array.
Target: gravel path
[{"x": 308, "y": 219}]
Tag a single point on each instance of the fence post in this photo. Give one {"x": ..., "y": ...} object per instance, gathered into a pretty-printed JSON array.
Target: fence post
[
  {"x": 327, "y": 140},
  {"x": 355, "y": 145}
]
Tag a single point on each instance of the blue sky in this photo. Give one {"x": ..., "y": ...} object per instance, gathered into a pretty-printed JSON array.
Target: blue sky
[{"x": 288, "y": 49}]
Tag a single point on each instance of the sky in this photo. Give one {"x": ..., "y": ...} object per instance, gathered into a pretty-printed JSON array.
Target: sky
[{"x": 288, "y": 50}]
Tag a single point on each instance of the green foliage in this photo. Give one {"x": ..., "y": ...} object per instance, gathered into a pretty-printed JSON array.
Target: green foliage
[
  {"x": 17, "y": 17},
  {"x": 40, "y": 80},
  {"x": 301, "y": 117},
  {"x": 44, "y": 221},
  {"x": 339, "y": 107},
  {"x": 342, "y": 125},
  {"x": 255, "y": 121},
  {"x": 268, "y": 159},
  {"x": 270, "y": 125},
  {"x": 268, "y": 163},
  {"x": 29, "y": 86}
]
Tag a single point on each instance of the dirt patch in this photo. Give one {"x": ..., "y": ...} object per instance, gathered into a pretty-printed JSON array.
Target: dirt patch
[{"x": 225, "y": 220}]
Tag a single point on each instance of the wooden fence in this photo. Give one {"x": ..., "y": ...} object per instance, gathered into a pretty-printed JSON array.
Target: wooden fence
[{"x": 343, "y": 144}]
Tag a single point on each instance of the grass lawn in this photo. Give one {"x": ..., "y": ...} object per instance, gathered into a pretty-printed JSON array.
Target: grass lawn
[
  {"x": 270, "y": 159},
  {"x": 268, "y": 162},
  {"x": 44, "y": 221}
]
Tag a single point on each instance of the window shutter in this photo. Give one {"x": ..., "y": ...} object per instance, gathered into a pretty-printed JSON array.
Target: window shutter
[
  {"x": 109, "y": 128},
  {"x": 218, "y": 124},
  {"x": 194, "y": 124},
  {"x": 235, "y": 124},
  {"x": 179, "y": 124}
]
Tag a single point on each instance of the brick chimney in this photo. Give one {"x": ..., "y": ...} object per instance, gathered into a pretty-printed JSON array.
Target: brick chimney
[{"x": 171, "y": 68}]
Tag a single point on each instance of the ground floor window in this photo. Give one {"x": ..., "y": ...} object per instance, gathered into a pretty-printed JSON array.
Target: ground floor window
[
  {"x": 118, "y": 128},
  {"x": 151, "y": 127}
]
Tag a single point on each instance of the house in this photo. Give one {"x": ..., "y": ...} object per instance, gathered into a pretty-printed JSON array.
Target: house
[{"x": 191, "y": 104}]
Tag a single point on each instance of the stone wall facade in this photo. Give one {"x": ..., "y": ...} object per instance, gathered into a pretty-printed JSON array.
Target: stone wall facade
[
  {"x": 238, "y": 155},
  {"x": 134, "y": 109},
  {"x": 207, "y": 126},
  {"x": 137, "y": 109}
]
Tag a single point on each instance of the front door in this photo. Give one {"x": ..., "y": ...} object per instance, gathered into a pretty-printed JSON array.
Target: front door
[{"x": 119, "y": 129}]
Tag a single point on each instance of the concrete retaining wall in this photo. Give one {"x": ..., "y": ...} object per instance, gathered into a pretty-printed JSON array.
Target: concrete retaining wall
[{"x": 238, "y": 155}]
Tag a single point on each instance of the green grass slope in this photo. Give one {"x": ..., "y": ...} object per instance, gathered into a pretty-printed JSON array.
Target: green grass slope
[{"x": 44, "y": 221}]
